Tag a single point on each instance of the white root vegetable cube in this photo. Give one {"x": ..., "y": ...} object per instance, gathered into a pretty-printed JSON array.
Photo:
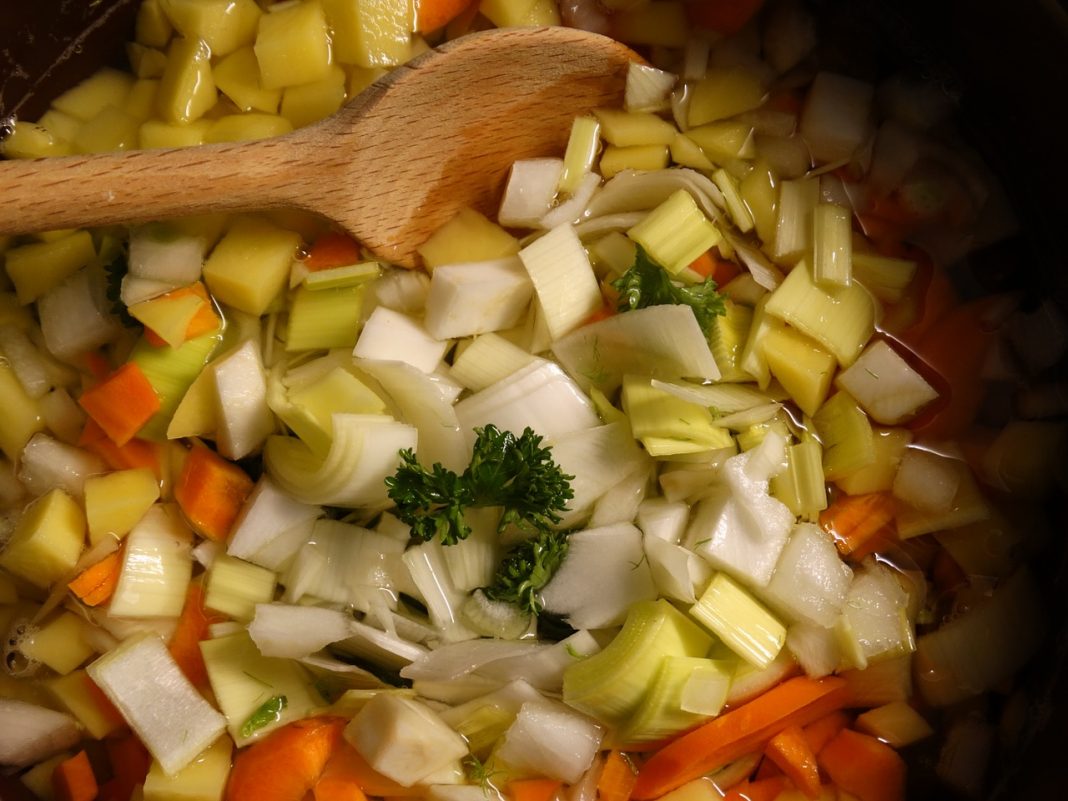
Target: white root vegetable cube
[
  {"x": 267, "y": 514},
  {"x": 563, "y": 279},
  {"x": 550, "y": 739},
  {"x": 927, "y": 481},
  {"x": 837, "y": 117},
  {"x": 243, "y": 416},
  {"x": 114, "y": 502},
  {"x": 810, "y": 580},
  {"x": 476, "y": 298},
  {"x": 403, "y": 739},
  {"x": 160, "y": 253},
  {"x": 32, "y": 733},
  {"x": 391, "y": 336},
  {"x": 47, "y": 464},
  {"x": 145, "y": 683},
  {"x": 885, "y": 385},
  {"x": 530, "y": 192},
  {"x": 874, "y": 624}
]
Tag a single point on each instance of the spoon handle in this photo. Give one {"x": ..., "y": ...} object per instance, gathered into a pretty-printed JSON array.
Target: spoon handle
[{"x": 140, "y": 186}]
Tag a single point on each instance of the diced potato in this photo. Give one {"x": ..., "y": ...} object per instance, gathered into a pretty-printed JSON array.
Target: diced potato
[
  {"x": 187, "y": 88},
  {"x": 506, "y": 13},
  {"x": 116, "y": 501},
  {"x": 153, "y": 28},
  {"x": 724, "y": 92},
  {"x": 195, "y": 415},
  {"x": 802, "y": 367},
  {"x": 141, "y": 102},
  {"x": 60, "y": 125},
  {"x": 106, "y": 87},
  {"x": 224, "y": 25},
  {"x": 29, "y": 141},
  {"x": 627, "y": 128},
  {"x": 638, "y": 157},
  {"x": 154, "y": 133},
  {"x": 81, "y": 697},
  {"x": 146, "y": 62},
  {"x": 359, "y": 78},
  {"x": 687, "y": 153},
  {"x": 47, "y": 540},
  {"x": 311, "y": 102},
  {"x": 250, "y": 266},
  {"x": 375, "y": 34},
  {"x": 38, "y": 267},
  {"x": 22, "y": 414},
  {"x": 467, "y": 237},
  {"x": 203, "y": 779},
  {"x": 293, "y": 46},
  {"x": 722, "y": 141},
  {"x": 59, "y": 644},
  {"x": 759, "y": 190},
  {"x": 38, "y": 779},
  {"x": 238, "y": 77},
  {"x": 663, "y": 24},
  {"x": 246, "y": 127},
  {"x": 111, "y": 129}
]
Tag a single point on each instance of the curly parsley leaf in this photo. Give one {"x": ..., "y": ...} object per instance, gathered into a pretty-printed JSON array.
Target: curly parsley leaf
[
  {"x": 646, "y": 283},
  {"x": 526, "y": 568}
]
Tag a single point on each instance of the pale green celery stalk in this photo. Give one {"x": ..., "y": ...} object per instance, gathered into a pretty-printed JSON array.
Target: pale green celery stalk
[
  {"x": 324, "y": 318},
  {"x": 730, "y": 331},
  {"x": 740, "y": 621},
  {"x": 752, "y": 359},
  {"x": 488, "y": 359},
  {"x": 582, "y": 148},
  {"x": 736, "y": 206},
  {"x": 793, "y": 227},
  {"x": 676, "y": 232},
  {"x": 171, "y": 371},
  {"x": 832, "y": 244},
  {"x": 686, "y": 691},
  {"x": 801, "y": 486},
  {"x": 845, "y": 431},
  {"x": 340, "y": 277},
  {"x": 610, "y": 684},
  {"x": 234, "y": 587}
]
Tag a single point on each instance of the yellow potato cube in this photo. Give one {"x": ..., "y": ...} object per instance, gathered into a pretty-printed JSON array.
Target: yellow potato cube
[
  {"x": 111, "y": 129},
  {"x": 724, "y": 140},
  {"x": 146, "y": 62},
  {"x": 636, "y": 157},
  {"x": 724, "y": 92},
  {"x": 22, "y": 414},
  {"x": 141, "y": 102},
  {"x": 238, "y": 77},
  {"x": 543, "y": 12},
  {"x": 38, "y": 779},
  {"x": 59, "y": 644},
  {"x": 662, "y": 24},
  {"x": 224, "y": 25},
  {"x": 38, "y": 267},
  {"x": 310, "y": 102},
  {"x": 293, "y": 46},
  {"x": 153, "y": 28},
  {"x": 250, "y": 266},
  {"x": 371, "y": 34},
  {"x": 79, "y": 696},
  {"x": 168, "y": 317},
  {"x": 60, "y": 125},
  {"x": 362, "y": 77},
  {"x": 245, "y": 127},
  {"x": 468, "y": 236},
  {"x": 203, "y": 779},
  {"x": 47, "y": 541},
  {"x": 195, "y": 415},
  {"x": 804, "y": 369},
  {"x": 507, "y": 13},
  {"x": 106, "y": 87},
  {"x": 154, "y": 133},
  {"x": 29, "y": 141},
  {"x": 187, "y": 89},
  {"x": 115, "y": 502}
]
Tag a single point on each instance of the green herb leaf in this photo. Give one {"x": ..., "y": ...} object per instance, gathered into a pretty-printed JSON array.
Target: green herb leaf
[
  {"x": 270, "y": 712},
  {"x": 528, "y": 567},
  {"x": 646, "y": 284}
]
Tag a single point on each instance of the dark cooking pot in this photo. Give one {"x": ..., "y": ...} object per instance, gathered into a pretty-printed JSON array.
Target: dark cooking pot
[{"x": 1005, "y": 61}]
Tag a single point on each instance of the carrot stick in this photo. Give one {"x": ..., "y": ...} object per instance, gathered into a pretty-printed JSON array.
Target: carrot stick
[
  {"x": 285, "y": 764},
  {"x": 73, "y": 779},
  {"x": 723, "y": 16},
  {"x": 617, "y": 778},
  {"x": 135, "y": 453},
  {"x": 789, "y": 750},
  {"x": 535, "y": 789},
  {"x": 347, "y": 766},
  {"x": 96, "y": 584},
  {"x": 864, "y": 766},
  {"x": 819, "y": 732},
  {"x": 334, "y": 249},
  {"x": 210, "y": 492},
  {"x": 337, "y": 781},
  {"x": 122, "y": 403},
  {"x": 192, "y": 627},
  {"x": 759, "y": 790},
  {"x": 736, "y": 733},
  {"x": 434, "y": 14},
  {"x": 859, "y": 523},
  {"x": 720, "y": 270}
]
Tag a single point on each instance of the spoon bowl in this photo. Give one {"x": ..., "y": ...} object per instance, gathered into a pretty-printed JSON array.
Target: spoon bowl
[{"x": 430, "y": 138}]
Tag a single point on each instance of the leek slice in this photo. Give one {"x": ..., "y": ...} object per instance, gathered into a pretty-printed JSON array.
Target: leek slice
[
  {"x": 685, "y": 691},
  {"x": 740, "y": 621},
  {"x": 736, "y": 206},
  {"x": 157, "y": 567},
  {"x": 648, "y": 89},
  {"x": 885, "y": 277},
  {"x": 171, "y": 371},
  {"x": 483, "y": 720},
  {"x": 489, "y": 358},
  {"x": 564, "y": 282},
  {"x": 661, "y": 416},
  {"x": 832, "y": 245},
  {"x": 639, "y": 191},
  {"x": 235, "y": 587},
  {"x": 802, "y": 486},
  {"x": 530, "y": 191}
]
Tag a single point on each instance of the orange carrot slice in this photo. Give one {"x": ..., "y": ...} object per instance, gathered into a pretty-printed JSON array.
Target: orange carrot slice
[
  {"x": 192, "y": 627},
  {"x": 532, "y": 789},
  {"x": 122, "y": 403},
  {"x": 333, "y": 250},
  {"x": 790, "y": 751},
  {"x": 210, "y": 492},
  {"x": 96, "y": 584},
  {"x": 859, "y": 523},
  {"x": 869, "y": 769},
  {"x": 285, "y": 764},
  {"x": 617, "y": 778},
  {"x": 434, "y": 14},
  {"x": 73, "y": 779}
]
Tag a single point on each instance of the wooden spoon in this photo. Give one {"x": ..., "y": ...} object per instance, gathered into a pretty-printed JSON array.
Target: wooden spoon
[{"x": 392, "y": 166}]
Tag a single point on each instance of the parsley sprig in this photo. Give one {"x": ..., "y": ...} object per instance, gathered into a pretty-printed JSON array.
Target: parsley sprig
[
  {"x": 516, "y": 473},
  {"x": 526, "y": 568},
  {"x": 646, "y": 283}
]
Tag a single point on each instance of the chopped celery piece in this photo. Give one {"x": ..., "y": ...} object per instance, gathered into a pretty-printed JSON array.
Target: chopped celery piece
[
  {"x": 842, "y": 319},
  {"x": 754, "y": 434},
  {"x": 564, "y": 281},
  {"x": 736, "y": 207},
  {"x": 665, "y": 418},
  {"x": 741, "y": 622},
  {"x": 615, "y": 160},
  {"x": 488, "y": 359},
  {"x": 801, "y": 486},
  {"x": 832, "y": 245},
  {"x": 730, "y": 333},
  {"x": 804, "y": 369},
  {"x": 793, "y": 228},
  {"x": 888, "y": 445},
  {"x": 685, "y": 691},
  {"x": 845, "y": 432},
  {"x": 752, "y": 359},
  {"x": 324, "y": 318},
  {"x": 339, "y": 277},
  {"x": 235, "y": 587},
  {"x": 171, "y": 371},
  {"x": 613, "y": 253},
  {"x": 885, "y": 277},
  {"x": 629, "y": 128},
  {"x": 610, "y": 684},
  {"x": 582, "y": 147},
  {"x": 676, "y": 232}
]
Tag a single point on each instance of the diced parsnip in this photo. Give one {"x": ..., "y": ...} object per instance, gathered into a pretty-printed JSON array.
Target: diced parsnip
[
  {"x": 154, "y": 133},
  {"x": 83, "y": 699},
  {"x": 59, "y": 643},
  {"x": 740, "y": 621},
  {"x": 676, "y": 232},
  {"x": 187, "y": 88},
  {"x": 293, "y": 46},
  {"x": 156, "y": 567},
  {"x": 885, "y": 277},
  {"x": 802, "y": 486},
  {"x": 846, "y": 435},
  {"x": 487, "y": 360},
  {"x": 38, "y": 267},
  {"x": 22, "y": 417},
  {"x": 564, "y": 282},
  {"x": 33, "y": 733},
  {"x": 810, "y": 580},
  {"x": 836, "y": 118},
  {"x": 250, "y": 266},
  {"x": 111, "y": 129},
  {"x": 885, "y": 385},
  {"x": 874, "y": 624},
  {"x": 238, "y": 77},
  {"x": 172, "y": 719},
  {"x": 371, "y": 34},
  {"x": 244, "y": 420},
  {"x": 203, "y": 779},
  {"x": 161, "y": 252},
  {"x": 267, "y": 514},
  {"x": 234, "y": 587},
  {"x": 926, "y": 481},
  {"x": 648, "y": 88},
  {"x": 47, "y": 540},
  {"x": 390, "y": 335},
  {"x": 224, "y": 25},
  {"x": 723, "y": 141},
  {"x": 804, "y": 369},
  {"x": 311, "y": 102},
  {"x": 530, "y": 191},
  {"x": 832, "y": 245},
  {"x": 246, "y": 127},
  {"x": 663, "y": 24},
  {"x": 968, "y": 506},
  {"x": 636, "y": 157},
  {"x": 629, "y": 128},
  {"x": 476, "y": 298},
  {"x": 842, "y": 319},
  {"x": 467, "y": 237},
  {"x": 403, "y": 739},
  {"x": 106, "y": 87},
  {"x": 815, "y": 648},
  {"x": 889, "y": 446},
  {"x": 795, "y": 222},
  {"x": 551, "y": 740},
  {"x": 896, "y": 724},
  {"x": 724, "y": 92}
]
